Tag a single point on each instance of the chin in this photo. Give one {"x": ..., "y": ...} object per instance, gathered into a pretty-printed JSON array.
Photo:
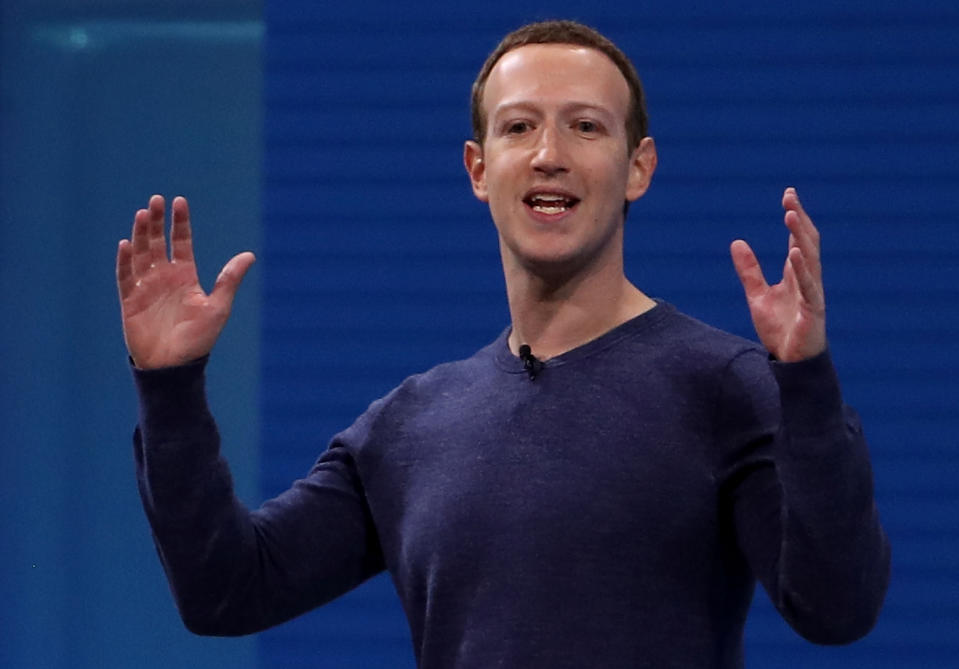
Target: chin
[{"x": 555, "y": 265}]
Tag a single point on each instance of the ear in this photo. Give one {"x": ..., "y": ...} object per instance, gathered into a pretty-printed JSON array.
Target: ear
[
  {"x": 476, "y": 168},
  {"x": 642, "y": 164}
]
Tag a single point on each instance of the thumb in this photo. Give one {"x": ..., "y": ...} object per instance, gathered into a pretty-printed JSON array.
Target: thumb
[{"x": 230, "y": 278}]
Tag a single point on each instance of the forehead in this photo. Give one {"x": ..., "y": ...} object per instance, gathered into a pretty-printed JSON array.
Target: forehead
[{"x": 556, "y": 73}]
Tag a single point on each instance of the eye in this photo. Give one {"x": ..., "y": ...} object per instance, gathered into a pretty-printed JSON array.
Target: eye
[
  {"x": 516, "y": 127},
  {"x": 587, "y": 126}
]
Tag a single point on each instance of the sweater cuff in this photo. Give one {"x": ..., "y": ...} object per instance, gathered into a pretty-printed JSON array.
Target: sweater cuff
[
  {"x": 809, "y": 394},
  {"x": 172, "y": 398}
]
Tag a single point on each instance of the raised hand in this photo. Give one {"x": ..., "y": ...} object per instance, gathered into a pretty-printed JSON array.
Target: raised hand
[
  {"x": 789, "y": 317},
  {"x": 167, "y": 317}
]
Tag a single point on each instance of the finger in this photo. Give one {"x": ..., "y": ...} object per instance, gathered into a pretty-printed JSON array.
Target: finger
[
  {"x": 748, "y": 269},
  {"x": 806, "y": 240},
  {"x": 181, "y": 237},
  {"x": 141, "y": 242},
  {"x": 810, "y": 286},
  {"x": 125, "y": 278},
  {"x": 157, "y": 209},
  {"x": 227, "y": 283},
  {"x": 789, "y": 276},
  {"x": 791, "y": 202},
  {"x": 803, "y": 232}
]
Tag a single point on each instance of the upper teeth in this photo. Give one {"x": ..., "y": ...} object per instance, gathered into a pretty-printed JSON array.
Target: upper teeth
[{"x": 549, "y": 203}]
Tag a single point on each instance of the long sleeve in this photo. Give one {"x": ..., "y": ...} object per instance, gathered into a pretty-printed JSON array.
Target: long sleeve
[
  {"x": 235, "y": 571},
  {"x": 802, "y": 496}
]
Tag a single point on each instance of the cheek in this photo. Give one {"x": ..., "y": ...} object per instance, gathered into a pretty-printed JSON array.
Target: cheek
[
  {"x": 608, "y": 179},
  {"x": 500, "y": 180}
]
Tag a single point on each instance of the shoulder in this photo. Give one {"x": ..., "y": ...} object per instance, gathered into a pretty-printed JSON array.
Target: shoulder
[
  {"x": 696, "y": 366},
  {"x": 700, "y": 337},
  {"x": 684, "y": 342},
  {"x": 727, "y": 376},
  {"x": 455, "y": 376},
  {"x": 423, "y": 393}
]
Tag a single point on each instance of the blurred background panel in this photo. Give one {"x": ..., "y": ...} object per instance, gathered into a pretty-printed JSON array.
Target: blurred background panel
[{"x": 104, "y": 104}]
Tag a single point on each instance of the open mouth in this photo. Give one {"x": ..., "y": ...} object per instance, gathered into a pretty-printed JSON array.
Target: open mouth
[{"x": 550, "y": 203}]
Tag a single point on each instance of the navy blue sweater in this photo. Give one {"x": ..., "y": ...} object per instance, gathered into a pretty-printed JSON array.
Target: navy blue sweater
[{"x": 613, "y": 512}]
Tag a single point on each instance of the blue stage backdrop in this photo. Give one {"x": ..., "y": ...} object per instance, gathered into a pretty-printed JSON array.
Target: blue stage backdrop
[{"x": 379, "y": 263}]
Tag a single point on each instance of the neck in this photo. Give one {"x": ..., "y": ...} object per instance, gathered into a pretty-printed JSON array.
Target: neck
[{"x": 555, "y": 314}]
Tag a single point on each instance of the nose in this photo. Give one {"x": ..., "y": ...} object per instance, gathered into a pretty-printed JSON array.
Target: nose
[{"x": 549, "y": 157}]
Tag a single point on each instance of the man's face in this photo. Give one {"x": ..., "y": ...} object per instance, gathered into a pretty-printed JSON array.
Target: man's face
[{"x": 554, "y": 166}]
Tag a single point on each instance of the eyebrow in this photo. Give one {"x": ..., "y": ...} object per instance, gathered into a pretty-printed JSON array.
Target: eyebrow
[{"x": 566, "y": 108}]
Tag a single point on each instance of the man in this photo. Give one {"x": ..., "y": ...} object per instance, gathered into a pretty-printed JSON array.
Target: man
[{"x": 599, "y": 487}]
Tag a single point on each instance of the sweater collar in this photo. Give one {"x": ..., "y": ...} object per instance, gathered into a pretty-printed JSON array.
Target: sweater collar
[{"x": 512, "y": 364}]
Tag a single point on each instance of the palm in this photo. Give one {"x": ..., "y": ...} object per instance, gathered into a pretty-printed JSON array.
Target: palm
[
  {"x": 790, "y": 316},
  {"x": 167, "y": 317}
]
